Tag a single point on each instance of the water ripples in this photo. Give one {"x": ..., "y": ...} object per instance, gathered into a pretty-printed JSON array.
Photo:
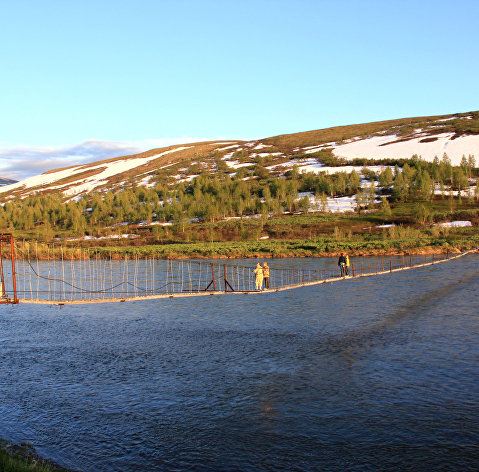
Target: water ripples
[{"x": 366, "y": 374}]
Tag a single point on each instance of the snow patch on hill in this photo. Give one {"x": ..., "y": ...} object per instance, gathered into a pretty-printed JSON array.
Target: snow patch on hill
[
  {"x": 42, "y": 179},
  {"x": 389, "y": 147},
  {"x": 227, "y": 147},
  {"x": 82, "y": 185},
  {"x": 312, "y": 165}
]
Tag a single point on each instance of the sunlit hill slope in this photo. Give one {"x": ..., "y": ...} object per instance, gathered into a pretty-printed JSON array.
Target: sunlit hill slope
[{"x": 326, "y": 150}]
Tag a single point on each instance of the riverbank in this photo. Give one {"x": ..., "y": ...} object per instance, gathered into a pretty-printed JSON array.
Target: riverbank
[
  {"x": 24, "y": 458},
  {"x": 366, "y": 245}
]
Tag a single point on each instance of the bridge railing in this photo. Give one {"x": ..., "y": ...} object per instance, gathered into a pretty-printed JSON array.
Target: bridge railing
[{"x": 92, "y": 279}]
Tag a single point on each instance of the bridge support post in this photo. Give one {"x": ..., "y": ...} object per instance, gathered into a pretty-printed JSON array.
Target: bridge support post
[
  {"x": 227, "y": 284},
  {"x": 4, "y": 298},
  {"x": 213, "y": 281}
]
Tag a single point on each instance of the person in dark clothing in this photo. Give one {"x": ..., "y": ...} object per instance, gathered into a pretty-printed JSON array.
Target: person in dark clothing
[{"x": 342, "y": 264}]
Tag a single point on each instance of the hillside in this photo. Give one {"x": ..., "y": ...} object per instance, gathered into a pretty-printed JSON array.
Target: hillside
[
  {"x": 331, "y": 150},
  {"x": 370, "y": 188}
]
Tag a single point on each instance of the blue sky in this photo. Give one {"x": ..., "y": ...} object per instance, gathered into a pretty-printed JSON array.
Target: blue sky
[{"x": 85, "y": 80}]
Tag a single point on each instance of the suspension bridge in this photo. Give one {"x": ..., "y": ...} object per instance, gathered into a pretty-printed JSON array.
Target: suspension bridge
[{"x": 87, "y": 278}]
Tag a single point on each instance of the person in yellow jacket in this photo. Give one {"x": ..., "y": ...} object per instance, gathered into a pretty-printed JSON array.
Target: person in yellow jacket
[
  {"x": 347, "y": 264},
  {"x": 266, "y": 274},
  {"x": 259, "y": 276}
]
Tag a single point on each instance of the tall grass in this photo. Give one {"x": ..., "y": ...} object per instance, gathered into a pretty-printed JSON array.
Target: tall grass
[{"x": 17, "y": 464}]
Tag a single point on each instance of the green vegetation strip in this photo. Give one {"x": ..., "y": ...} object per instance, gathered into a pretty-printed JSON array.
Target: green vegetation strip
[
  {"x": 394, "y": 240},
  {"x": 295, "y": 248}
]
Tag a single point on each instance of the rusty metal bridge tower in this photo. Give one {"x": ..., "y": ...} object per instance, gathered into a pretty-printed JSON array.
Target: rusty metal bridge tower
[{"x": 8, "y": 278}]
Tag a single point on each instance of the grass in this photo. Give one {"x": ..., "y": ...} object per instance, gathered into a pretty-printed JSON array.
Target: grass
[
  {"x": 16, "y": 464},
  {"x": 395, "y": 240},
  {"x": 339, "y": 133},
  {"x": 23, "y": 458}
]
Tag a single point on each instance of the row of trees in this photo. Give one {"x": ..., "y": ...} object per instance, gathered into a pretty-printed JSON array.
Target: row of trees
[
  {"x": 420, "y": 180},
  {"x": 210, "y": 197},
  {"x": 207, "y": 198}
]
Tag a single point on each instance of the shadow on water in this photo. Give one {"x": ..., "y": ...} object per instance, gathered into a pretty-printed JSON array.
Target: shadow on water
[{"x": 422, "y": 304}]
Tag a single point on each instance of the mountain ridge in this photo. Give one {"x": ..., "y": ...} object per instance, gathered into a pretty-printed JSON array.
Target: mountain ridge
[
  {"x": 314, "y": 150},
  {"x": 7, "y": 181}
]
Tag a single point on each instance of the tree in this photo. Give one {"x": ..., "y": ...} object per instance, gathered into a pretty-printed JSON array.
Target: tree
[
  {"x": 446, "y": 169},
  {"x": 260, "y": 171},
  {"x": 400, "y": 188},
  {"x": 385, "y": 207},
  {"x": 239, "y": 206},
  {"x": 340, "y": 183},
  {"x": 211, "y": 211},
  {"x": 471, "y": 161},
  {"x": 361, "y": 200},
  {"x": 459, "y": 178},
  {"x": 421, "y": 214},
  {"x": 290, "y": 203},
  {"x": 435, "y": 169},
  {"x": 77, "y": 221},
  {"x": 221, "y": 165},
  {"x": 323, "y": 199},
  {"x": 368, "y": 173},
  {"x": 386, "y": 178},
  {"x": 371, "y": 195},
  {"x": 157, "y": 233},
  {"x": 353, "y": 182},
  {"x": 304, "y": 204},
  {"x": 292, "y": 188},
  {"x": 464, "y": 165},
  {"x": 408, "y": 174},
  {"x": 46, "y": 232},
  {"x": 423, "y": 185}
]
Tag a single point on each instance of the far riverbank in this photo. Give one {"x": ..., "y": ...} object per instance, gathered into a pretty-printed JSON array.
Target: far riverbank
[{"x": 321, "y": 247}]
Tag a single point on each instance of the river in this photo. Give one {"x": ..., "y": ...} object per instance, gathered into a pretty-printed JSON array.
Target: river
[{"x": 364, "y": 374}]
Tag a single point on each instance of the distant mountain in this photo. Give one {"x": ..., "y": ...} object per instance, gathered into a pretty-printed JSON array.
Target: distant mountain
[
  {"x": 326, "y": 150},
  {"x": 5, "y": 181}
]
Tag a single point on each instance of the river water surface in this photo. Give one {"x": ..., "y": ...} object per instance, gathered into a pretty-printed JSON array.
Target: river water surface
[{"x": 377, "y": 373}]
